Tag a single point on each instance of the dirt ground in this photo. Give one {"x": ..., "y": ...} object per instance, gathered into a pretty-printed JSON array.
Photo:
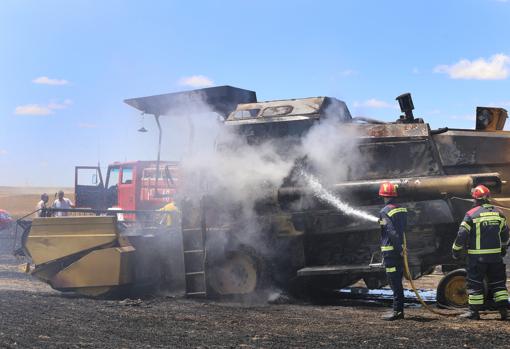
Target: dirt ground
[{"x": 35, "y": 316}]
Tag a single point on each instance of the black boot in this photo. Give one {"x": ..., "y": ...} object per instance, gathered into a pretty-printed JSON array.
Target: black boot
[
  {"x": 504, "y": 313},
  {"x": 471, "y": 315},
  {"x": 394, "y": 315}
]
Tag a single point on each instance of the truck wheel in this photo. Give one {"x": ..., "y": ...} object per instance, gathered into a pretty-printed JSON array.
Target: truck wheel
[{"x": 451, "y": 290}]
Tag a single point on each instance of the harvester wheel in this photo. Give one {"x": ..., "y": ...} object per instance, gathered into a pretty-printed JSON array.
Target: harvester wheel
[
  {"x": 451, "y": 290},
  {"x": 236, "y": 274}
]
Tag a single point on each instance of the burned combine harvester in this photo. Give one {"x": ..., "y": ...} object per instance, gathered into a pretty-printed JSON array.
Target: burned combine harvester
[
  {"x": 297, "y": 242},
  {"x": 301, "y": 243}
]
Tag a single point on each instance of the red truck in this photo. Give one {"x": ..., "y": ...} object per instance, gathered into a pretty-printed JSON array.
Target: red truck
[{"x": 134, "y": 185}]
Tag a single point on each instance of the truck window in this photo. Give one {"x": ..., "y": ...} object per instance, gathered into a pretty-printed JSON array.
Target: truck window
[
  {"x": 113, "y": 178},
  {"x": 88, "y": 177},
  {"x": 127, "y": 175},
  {"x": 150, "y": 173}
]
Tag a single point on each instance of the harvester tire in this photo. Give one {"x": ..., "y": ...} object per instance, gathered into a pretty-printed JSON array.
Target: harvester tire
[
  {"x": 452, "y": 290},
  {"x": 239, "y": 273}
]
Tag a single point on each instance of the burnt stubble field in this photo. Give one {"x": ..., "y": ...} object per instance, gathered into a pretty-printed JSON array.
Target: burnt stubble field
[{"x": 34, "y": 316}]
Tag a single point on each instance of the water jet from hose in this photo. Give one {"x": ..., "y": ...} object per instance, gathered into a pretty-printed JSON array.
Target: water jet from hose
[{"x": 326, "y": 196}]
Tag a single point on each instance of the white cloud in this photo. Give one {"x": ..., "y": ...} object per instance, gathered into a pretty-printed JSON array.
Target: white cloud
[
  {"x": 32, "y": 109},
  {"x": 374, "y": 103},
  {"x": 3, "y": 152},
  {"x": 416, "y": 71},
  {"x": 196, "y": 81},
  {"x": 44, "y": 80},
  {"x": 86, "y": 125},
  {"x": 36, "y": 109},
  {"x": 495, "y": 68}
]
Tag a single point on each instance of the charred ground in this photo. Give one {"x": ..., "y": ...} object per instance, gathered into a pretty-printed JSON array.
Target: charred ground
[{"x": 33, "y": 315}]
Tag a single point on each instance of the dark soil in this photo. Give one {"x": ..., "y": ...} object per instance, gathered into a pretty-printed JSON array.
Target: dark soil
[{"x": 34, "y": 316}]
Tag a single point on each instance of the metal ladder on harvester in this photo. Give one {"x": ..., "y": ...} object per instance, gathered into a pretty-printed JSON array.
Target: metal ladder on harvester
[{"x": 193, "y": 243}]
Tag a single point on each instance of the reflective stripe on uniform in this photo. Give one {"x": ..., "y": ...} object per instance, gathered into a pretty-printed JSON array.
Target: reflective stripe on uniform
[
  {"x": 475, "y": 299},
  {"x": 456, "y": 247},
  {"x": 476, "y": 296},
  {"x": 486, "y": 251},
  {"x": 484, "y": 214},
  {"x": 478, "y": 236},
  {"x": 465, "y": 226},
  {"x": 487, "y": 219},
  {"x": 502, "y": 225},
  {"x": 501, "y": 296},
  {"x": 387, "y": 248},
  {"x": 397, "y": 210},
  {"x": 391, "y": 270}
]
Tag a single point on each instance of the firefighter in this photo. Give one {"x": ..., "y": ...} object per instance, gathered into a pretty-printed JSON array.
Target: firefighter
[
  {"x": 393, "y": 220},
  {"x": 168, "y": 218},
  {"x": 484, "y": 234}
]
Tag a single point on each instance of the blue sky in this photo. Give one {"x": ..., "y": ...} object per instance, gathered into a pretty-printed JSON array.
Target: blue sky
[{"x": 67, "y": 66}]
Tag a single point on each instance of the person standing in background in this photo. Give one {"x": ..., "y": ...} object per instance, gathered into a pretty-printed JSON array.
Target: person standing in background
[
  {"x": 62, "y": 203},
  {"x": 42, "y": 206}
]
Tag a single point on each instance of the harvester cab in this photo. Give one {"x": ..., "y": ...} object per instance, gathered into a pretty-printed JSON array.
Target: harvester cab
[{"x": 292, "y": 118}]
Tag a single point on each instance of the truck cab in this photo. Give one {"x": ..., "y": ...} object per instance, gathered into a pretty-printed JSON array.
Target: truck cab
[{"x": 134, "y": 185}]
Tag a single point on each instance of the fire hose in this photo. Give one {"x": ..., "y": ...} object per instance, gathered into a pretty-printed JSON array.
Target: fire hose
[{"x": 408, "y": 276}]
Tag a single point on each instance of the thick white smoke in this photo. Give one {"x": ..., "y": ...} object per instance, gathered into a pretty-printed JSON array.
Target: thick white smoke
[{"x": 247, "y": 171}]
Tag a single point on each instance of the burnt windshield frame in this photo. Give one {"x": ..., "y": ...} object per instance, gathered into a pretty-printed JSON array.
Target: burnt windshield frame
[
  {"x": 278, "y": 110},
  {"x": 244, "y": 114}
]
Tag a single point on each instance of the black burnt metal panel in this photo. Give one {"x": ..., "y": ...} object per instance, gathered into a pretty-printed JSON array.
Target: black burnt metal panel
[
  {"x": 465, "y": 148},
  {"x": 221, "y": 99}
]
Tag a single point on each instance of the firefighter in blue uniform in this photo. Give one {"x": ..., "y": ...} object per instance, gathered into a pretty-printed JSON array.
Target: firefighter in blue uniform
[
  {"x": 484, "y": 234},
  {"x": 393, "y": 220}
]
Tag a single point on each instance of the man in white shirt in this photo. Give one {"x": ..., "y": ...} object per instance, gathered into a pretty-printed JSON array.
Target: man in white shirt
[
  {"x": 42, "y": 206},
  {"x": 62, "y": 202}
]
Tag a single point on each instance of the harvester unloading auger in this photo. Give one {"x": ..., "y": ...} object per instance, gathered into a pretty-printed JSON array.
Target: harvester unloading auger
[{"x": 306, "y": 245}]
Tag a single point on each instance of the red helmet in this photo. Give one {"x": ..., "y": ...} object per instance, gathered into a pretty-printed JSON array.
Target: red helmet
[
  {"x": 388, "y": 189},
  {"x": 480, "y": 192}
]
